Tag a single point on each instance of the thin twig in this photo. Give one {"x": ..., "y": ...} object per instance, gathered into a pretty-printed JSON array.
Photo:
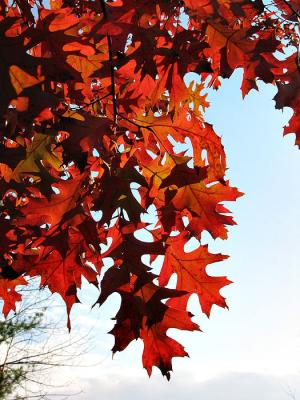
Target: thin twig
[
  {"x": 112, "y": 67},
  {"x": 75, "y": 110},
  {"x": 112, "y": 74}
]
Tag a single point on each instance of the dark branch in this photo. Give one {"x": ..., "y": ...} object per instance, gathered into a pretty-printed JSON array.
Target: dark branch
[
  {"x": 112, "y": 67},
  {"x": 296, "y": 12},
  {"x": 112, "y": 74}
]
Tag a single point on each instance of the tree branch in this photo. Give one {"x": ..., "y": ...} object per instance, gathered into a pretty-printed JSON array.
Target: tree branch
[
  {"x": 112, "y": 67},
  {"x": 292, "y": 8}
]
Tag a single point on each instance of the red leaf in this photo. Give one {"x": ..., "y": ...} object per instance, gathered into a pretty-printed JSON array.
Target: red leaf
[
  {"x": 105, "y": 151},
  {"x": 190, "y": 268}
]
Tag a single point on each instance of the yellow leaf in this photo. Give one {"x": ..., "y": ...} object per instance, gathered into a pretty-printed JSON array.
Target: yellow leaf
[
  {"x": 39, "y": 150},
  {"x": 74, "y": 115},
  {"x": 56, "y": 4},
  {"x": 20, "y": 79}
]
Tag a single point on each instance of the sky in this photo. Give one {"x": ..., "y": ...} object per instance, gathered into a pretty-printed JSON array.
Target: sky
[{"x": 251, "y": 351}]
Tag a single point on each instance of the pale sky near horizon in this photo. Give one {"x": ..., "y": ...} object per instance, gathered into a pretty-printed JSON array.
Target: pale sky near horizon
[{"x": 252, "y": 351}]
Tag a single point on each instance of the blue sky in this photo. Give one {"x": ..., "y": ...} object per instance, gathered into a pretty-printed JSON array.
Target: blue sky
[{"x": 251, "y": 351}]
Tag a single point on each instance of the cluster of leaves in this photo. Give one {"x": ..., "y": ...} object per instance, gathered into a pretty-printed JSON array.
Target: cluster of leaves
[{"x": 93, "y": 106}]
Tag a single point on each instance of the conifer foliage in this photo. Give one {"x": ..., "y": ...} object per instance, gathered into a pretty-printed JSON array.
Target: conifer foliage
[{"x": 93, "y": 102}]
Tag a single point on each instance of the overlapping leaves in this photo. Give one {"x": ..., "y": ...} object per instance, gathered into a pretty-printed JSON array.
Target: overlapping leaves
[{"x": 99, "y": 128}]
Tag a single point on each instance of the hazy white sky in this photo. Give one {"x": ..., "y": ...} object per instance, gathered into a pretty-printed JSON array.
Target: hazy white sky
[{"x": 251, "y": 351}]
